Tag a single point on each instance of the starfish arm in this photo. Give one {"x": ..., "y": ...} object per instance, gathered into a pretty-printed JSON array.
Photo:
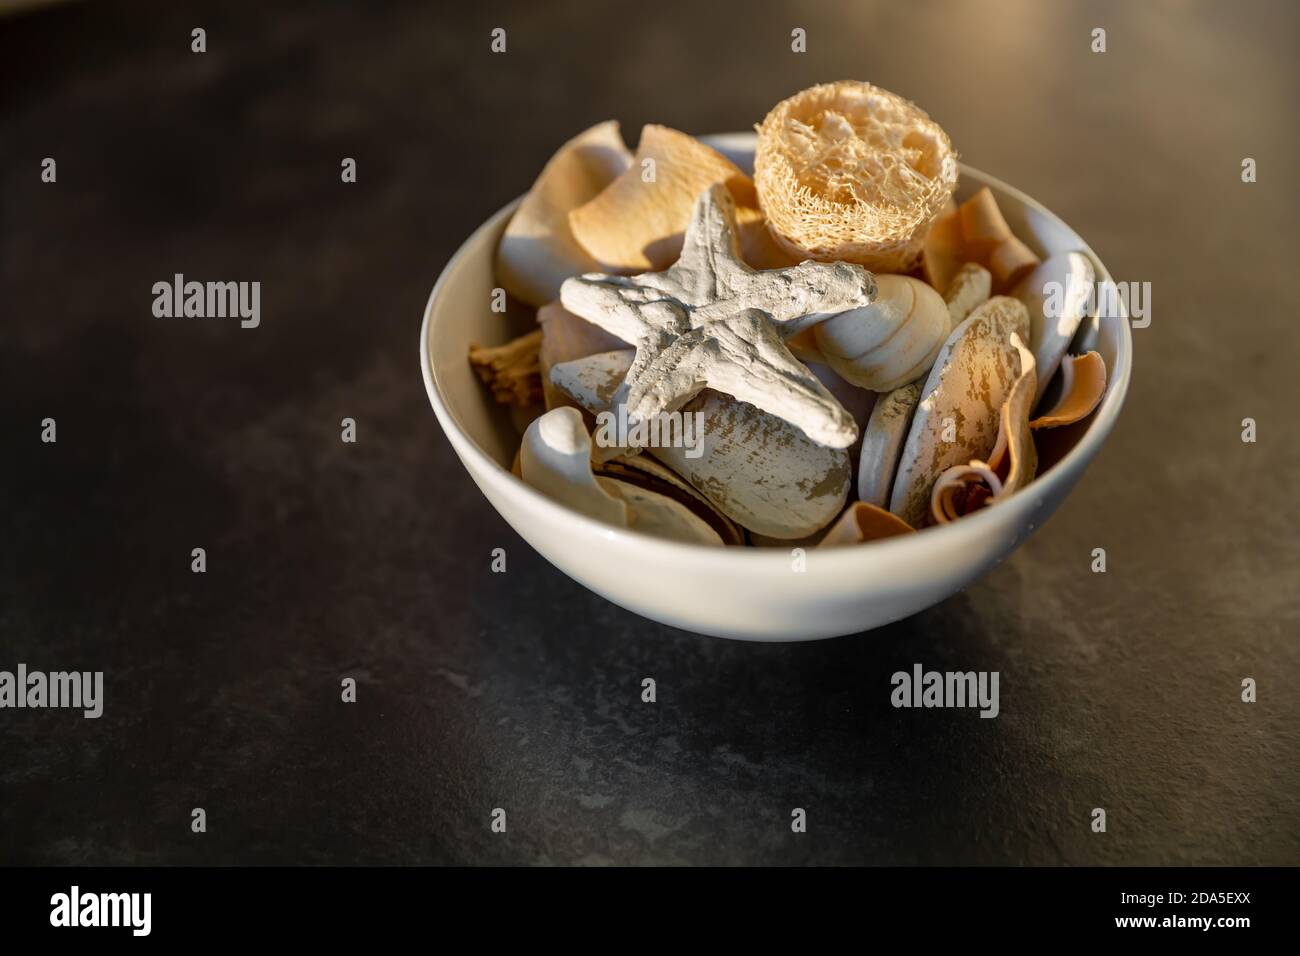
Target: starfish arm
[
  {"x": 668, "y": 379},
  {"x": 759, "y": 369},
  {"x": 710, "y": 264},
  {"x": 627, "y": 311},
  {"x": 803, "y": 295}
]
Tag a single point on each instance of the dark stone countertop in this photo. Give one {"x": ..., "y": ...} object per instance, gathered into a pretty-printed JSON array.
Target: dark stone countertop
[{"x": 521, "y": 691}]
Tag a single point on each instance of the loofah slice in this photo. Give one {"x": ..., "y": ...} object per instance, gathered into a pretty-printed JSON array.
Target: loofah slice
[{"x": 848, "y": 171}]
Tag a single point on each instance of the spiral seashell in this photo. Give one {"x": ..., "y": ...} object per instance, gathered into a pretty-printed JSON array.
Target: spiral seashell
[{"x": 890, "y": 342}]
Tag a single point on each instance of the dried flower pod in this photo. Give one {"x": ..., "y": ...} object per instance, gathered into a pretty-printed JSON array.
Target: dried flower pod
[{"x": 511, "y": 370}]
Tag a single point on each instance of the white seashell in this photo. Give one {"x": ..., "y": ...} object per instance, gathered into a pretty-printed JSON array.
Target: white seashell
[
  {"x": 646, "y": 472},
  {"x": 758, "y": 470},
  {"x": 1062, "y": 285},
  {"x": 661, "y": 516},
  {"x": 958, "y": 417},
  {"x": 882, "y": 443},
  {"x": 970, "y": 288},
  {"x": 555, "y": 458},
  {"x": 538, "y": 250},
  {"x": 890, "y": 342},
  {"x": 858, "y": 402}
]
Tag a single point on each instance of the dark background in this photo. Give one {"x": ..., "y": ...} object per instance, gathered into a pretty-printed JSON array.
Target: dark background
[{"x": 521, "y": 691}]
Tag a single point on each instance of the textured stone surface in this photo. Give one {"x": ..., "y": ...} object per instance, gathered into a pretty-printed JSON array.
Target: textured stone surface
[{"x": 479, "y": 690}]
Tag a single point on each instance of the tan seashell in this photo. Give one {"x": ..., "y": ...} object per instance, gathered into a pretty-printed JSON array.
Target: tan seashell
[
  {"x": 538, "y": 250},
  {"x": 890, "y": 342},
  {"x": 988, "y": 239},
  {"x": 961, "y": 490},
  {"x": 555, "y": 458},
  {"x": 1012, "y": 463},
  {"x": 975, "y": 232},
  {"x": 1083, "y": 383},
  {"x": 1014, "y": 457},
  {"x": 957, "y": 418},
  {"x": 941, "y": 256},
  {"x": 969, "y": 289},
  {"x": 636, "y": 226},
  {"x": 862, "y": 523},
  {"x": 758, "y": 470},
  {"x": 1072, "y": 276},
  {"x": 1010, "y": 261},
  {"x": 882, "y": 443}
]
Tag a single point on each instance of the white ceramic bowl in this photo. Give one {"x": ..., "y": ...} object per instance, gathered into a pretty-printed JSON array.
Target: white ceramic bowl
[{"x": 749, "y": 593}]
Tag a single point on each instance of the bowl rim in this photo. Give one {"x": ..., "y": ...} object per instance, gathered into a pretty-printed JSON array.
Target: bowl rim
[{"x": 900, "y": 548}]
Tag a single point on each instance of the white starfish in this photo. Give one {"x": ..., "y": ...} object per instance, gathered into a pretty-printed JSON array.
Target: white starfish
[{"x": 710, "y": 321}]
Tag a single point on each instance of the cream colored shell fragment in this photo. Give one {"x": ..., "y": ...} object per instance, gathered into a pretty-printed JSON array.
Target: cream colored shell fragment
[
  {"x": 1011, "y": 465},
  {"x": 661, "y": 516},
  {"x": 565, "y": 337},
  {"x": 1083, "y": 383},
  {"x": 975, "y": 232},
  {"x": 758, "y": 470},
  {"x": 969, "y": 289},
  {"x": 645, "y": 471},
  {"x": 957, "y": 419},
  {"x": 890, "y": 342},
  {"x": 637, "y": 222},
  {"x": 882, "y": 443},
  {"x": 538, "y": 250},
  {"x": 555, "y": 458},
  {"x": 852, "y": 172},
  {"x": 1057, "y": 293}
]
